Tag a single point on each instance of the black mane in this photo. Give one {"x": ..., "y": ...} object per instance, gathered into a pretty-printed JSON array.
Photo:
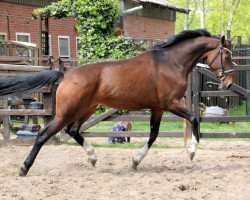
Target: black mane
[{"x": 184, "y": 35}]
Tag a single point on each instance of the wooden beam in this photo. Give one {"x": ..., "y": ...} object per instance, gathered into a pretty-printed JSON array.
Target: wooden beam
[
  {"x": 226, "y": 119},
  {"x": 23, "y": 112},
  {"x": 240, "y": 90},
  {"x": 129, "y": 134},
  {"x": 17, "y": 102},
  {"x": 25, "y": 68},
  {"x": 225, "y": 93},
  {"x": 162, "y": 134},
  {"x": 97, "y": 119},
  {"x": 134, "y": 118}
]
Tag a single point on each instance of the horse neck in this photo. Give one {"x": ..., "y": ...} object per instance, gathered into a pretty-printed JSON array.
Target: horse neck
[{"x": 195, "y": 50}]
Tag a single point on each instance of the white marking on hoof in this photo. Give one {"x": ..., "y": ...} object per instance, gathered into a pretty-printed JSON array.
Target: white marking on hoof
[
  {"x": 142, "y": 153},
  {"x": 90, "y": 152},
  {"x": 191, "y": 151}
]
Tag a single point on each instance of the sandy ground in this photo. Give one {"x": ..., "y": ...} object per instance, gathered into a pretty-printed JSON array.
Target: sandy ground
[{"x": 220, "y": 170}]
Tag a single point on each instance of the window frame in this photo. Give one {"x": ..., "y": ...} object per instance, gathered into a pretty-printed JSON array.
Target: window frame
[
  {"x": 23, "y": 34},
  {"x": 29, "y": 39},
  {"x": 50, "y": 46},
  {"x": 63, "y": 37},
  {"x": 77, "y": 38}
]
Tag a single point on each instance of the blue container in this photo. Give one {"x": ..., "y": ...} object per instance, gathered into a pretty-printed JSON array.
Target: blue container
[
  {"x": 26, "y": 134},
  {"x": 36, "y": 105}
]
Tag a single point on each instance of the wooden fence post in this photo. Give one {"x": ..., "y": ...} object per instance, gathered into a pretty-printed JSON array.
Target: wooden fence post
[
  {"x": 61, "y": 65},
  {"x": 49, "y": 102},
  {"x": 248, "y": 82},
  {"x": 6, "y": 122}
]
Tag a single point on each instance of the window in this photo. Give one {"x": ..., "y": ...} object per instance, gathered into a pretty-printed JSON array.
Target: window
[
  {"x": 63, "y": 46},
  {"x": 78, "y": 46},
  {"x": 3, "y": 36},
  {"x": 2, "y": 49},
  {"x": 23, "y": 37}
]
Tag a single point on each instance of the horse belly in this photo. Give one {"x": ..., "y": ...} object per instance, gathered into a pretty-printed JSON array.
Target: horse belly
[{"x": 128, "y": 100}]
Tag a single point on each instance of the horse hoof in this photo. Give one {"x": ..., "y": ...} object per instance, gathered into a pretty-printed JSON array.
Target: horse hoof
[
  {"x": 135, "y": 163},
  {"x": 23, "y": 172},
  {"x": 191, "y": 155},
  {"x": 92, "y": 161}
]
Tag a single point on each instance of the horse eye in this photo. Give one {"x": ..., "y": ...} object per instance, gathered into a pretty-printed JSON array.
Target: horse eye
[{"x": 227, "y": 58}]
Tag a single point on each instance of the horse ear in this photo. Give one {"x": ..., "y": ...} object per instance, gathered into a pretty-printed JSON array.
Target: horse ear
[{"x": 223, "y": 40}]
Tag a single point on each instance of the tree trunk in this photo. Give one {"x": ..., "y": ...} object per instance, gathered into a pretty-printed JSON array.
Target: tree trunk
[
  {"x": 202, "y": 14},
  {"x": 186, "y": 17},
  {"x": 233, "y": 9},
  {"x": 222, "y": 17}
]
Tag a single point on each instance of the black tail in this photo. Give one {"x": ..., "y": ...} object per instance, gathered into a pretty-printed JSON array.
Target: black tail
[{"x": 18, "y": 84}]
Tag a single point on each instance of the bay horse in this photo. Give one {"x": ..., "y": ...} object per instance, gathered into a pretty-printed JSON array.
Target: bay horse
[{"x": 155, "y": 80}]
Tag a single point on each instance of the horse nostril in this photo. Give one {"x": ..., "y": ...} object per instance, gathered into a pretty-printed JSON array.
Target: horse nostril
[{"x": 229, "y": 86}]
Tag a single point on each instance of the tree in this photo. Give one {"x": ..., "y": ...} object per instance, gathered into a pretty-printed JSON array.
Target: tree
[{"x": 232, "y": 15}]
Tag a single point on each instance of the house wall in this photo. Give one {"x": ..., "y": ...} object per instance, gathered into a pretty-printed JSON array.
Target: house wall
[
  {"x": 18, "y": 18},
  {"x": 141, "y": 27}
]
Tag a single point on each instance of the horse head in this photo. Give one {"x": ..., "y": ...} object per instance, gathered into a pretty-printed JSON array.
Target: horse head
[{"x": 220, "y": 63}]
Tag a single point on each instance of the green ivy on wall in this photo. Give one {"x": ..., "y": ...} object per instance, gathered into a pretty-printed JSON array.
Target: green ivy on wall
[{"x": 97, "y": 24}]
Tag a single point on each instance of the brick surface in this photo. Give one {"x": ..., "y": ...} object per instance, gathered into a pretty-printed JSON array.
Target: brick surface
[
  {"x": 147, "y": 28},
  {"x": 18, "y": 18}
]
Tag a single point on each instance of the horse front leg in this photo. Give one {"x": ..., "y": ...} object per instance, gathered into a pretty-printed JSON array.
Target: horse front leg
[
  {"x": 155, "y": 121},
  {"x": 177, "y": 109}
]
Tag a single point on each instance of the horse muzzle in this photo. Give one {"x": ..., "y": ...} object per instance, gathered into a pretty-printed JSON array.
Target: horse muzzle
[{"x": 226, "y": 82}]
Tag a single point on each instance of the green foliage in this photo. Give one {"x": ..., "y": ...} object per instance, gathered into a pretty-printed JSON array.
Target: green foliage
[
  {"x": 215, "y": 15},
  {"x": 97, "y": 22}
]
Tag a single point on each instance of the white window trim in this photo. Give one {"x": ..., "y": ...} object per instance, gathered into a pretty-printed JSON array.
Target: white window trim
[
  {"x": 77, "y": 38},
  {"x": 63, "y": 36},
  {"x": 25, "y": 34},
  {"x": 50, "y": 45}
]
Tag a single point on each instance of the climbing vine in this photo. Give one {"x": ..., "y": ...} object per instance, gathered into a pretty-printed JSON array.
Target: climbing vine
[{"x": 97, "y": 23}]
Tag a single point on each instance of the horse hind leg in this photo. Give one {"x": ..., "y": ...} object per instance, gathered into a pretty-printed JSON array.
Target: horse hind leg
[
  {"x": 43, "y": 136},
  {"x": 155, "y": 121},
  {"x": 73, "y": 130}
]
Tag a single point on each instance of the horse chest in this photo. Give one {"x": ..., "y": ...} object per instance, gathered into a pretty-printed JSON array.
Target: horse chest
[{"x": 175, "y": 90}]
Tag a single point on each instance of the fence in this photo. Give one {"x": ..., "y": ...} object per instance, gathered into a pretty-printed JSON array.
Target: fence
[
  {"x": 200, "y": 75},
  {"x": 23, "y": 102}
]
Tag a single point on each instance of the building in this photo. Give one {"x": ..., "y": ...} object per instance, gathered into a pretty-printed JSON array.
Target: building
[
  {"x": 155, "y": 21},
  {"x": 17, "y": 23}
]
